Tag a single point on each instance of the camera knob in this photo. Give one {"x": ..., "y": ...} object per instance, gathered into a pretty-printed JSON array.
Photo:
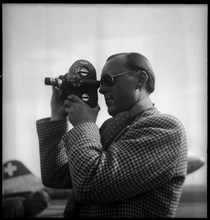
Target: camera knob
[
  {"x": 83, "y": 71},
  {"x": 85, "y": 97}
]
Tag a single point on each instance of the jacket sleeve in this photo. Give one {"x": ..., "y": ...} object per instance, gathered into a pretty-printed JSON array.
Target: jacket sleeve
[
  {"x": 53, "y": 158},
  {"x": 143, "y": 158}
]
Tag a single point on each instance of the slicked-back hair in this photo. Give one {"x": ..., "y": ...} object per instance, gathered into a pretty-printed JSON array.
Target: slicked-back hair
[{"x": 136, "y": 61}]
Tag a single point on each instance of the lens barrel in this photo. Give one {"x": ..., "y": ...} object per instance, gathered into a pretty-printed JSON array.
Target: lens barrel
[
  {"x": 48, "y": 81},
  {"x": 53, "y": 82}
]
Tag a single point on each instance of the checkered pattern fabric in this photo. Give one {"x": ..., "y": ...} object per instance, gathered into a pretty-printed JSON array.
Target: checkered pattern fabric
[{"x": 140, "y": 174}]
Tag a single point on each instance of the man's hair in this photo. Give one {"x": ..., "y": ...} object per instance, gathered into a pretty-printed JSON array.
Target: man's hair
[{"x": 136, "y": 61}]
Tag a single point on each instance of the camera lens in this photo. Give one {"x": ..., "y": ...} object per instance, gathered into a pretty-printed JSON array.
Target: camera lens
[
  {"x": 48, "y": 81},
  {"x": 53, "y": 82}
]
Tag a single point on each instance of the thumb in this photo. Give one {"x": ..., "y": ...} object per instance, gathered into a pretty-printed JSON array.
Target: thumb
[
  {"x": 97, "y": 108},
  {"x": 56, "y": 92}
]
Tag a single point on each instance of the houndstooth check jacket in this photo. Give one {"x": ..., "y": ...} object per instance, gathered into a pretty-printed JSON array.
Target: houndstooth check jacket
[{"x": 140, "y": 173}]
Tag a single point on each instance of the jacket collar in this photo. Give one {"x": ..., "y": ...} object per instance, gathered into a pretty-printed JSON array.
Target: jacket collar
[{"x": 140, "y": 107}]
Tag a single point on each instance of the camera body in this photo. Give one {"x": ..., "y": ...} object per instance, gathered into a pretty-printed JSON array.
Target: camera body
[{"x": 80, "y": 80}]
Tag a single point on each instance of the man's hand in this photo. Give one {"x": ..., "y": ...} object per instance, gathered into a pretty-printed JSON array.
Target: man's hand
[
  {"x": 57, "y": 106},
  {"x": 78, "y": 111}
]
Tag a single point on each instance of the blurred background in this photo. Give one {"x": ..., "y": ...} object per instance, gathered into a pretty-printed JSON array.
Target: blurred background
[{"x": 41, "y": 40}]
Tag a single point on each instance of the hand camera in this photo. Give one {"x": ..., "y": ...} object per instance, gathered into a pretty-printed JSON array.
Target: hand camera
[{"x": 80, "y": 80}]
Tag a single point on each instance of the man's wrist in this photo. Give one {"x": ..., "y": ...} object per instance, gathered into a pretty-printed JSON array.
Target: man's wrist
[{"x": 82, "y": 130}]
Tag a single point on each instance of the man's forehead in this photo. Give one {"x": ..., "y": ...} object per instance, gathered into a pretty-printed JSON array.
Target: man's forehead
[{"x": 115, "y": 65}]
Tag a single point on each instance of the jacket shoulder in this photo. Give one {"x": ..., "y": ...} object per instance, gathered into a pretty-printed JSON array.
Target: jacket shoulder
[{"x": 158, "y": 119}]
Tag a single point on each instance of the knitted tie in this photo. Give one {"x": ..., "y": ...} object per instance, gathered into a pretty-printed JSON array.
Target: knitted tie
[{"x": 113, "y": 127}]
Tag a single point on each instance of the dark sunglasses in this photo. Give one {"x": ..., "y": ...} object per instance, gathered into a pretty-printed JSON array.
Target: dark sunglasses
[{"x": 108, "y": 78}]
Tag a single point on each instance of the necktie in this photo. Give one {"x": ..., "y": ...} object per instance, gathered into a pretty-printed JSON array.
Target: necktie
[{"x": 113, "y": 127}]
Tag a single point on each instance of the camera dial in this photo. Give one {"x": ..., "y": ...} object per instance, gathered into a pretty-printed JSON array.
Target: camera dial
[{"x": 85, "y": 97}]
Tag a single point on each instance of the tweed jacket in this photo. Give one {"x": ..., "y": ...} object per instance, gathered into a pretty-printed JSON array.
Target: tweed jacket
[{"x": 140, "y": 173}]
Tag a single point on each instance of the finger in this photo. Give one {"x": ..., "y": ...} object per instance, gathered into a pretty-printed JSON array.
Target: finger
[
  {"x": 67, "y": 110},
  {"x": 69, "y": 103},
  {"x": 97, "y": 108},
  {"x": 74, "y": 98},
  {"x": 55, "y": 91}
]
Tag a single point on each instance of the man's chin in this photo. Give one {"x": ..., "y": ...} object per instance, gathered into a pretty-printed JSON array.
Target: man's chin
[{"x": 112, "y": 111}]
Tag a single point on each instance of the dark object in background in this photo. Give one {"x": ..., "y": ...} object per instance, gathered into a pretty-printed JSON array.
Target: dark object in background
[
  {"x": 194, "y": 163},
  {"x": 13, "y": 207},
  {"x": 28, "y": 206},
  {"x": 80, "y": 80}
]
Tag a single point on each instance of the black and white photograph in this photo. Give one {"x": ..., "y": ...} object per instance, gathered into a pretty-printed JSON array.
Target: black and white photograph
[{"x": 104, "y": 110}]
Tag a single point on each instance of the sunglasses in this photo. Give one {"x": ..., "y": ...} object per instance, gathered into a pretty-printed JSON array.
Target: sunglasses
[{"x": 108, "y": 78}]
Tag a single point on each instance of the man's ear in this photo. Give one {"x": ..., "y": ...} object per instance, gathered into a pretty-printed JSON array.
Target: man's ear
[{"x": 142, "y": 78}]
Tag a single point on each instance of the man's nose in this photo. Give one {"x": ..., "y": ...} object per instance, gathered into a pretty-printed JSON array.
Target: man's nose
[{"x": 103, "y": 88}]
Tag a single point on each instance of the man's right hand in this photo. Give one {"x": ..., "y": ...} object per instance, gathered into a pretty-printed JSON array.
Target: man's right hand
[{"x": 57, "y": 106}]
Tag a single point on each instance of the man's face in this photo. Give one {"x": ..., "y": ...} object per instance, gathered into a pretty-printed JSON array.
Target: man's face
[{"x": 123, "y": 94}]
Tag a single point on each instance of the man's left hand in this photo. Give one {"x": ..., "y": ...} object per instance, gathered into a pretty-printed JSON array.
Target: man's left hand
[{"x": 78, "y": 111}]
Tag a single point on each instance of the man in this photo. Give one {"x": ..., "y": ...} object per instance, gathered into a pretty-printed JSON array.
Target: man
[{"x": 133, "y": 166}]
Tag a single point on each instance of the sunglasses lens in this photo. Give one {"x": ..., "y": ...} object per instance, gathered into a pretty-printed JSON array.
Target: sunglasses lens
[{"x": 108, "y": 80}]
